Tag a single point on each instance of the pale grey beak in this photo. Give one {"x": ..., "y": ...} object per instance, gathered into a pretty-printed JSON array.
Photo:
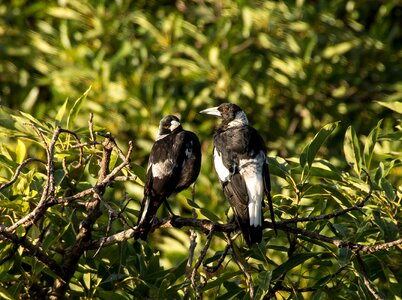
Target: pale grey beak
[{"x": 213, "y": 111}]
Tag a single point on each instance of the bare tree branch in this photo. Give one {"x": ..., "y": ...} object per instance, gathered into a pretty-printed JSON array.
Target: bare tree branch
[
  {"x": 18, "y": 171},
  {"x": 36, "y": 252},
  {"x": 74, "y": 253},
  {"x": 191, "y": 250},
  {"x": 366, "y": 280},
  {"x": 241, "y": 266},
  {"x": 204, "y": 250},
  {"x": 93, "y": 199}
]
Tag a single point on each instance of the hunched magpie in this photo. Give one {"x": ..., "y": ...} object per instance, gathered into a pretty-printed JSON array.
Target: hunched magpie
[
  {"x": 174, "y": 164},
  {"x": 240, "y": 162}
]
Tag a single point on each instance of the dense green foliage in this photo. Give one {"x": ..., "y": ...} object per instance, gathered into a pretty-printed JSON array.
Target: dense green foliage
[{"x": 320, "y": 80}]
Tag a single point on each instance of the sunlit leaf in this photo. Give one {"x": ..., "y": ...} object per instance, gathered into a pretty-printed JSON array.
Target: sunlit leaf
[
  {"x": 61, "y": 111},
  {"x": 339, "y": 49},
  {"x": 310, "y": 151},
  {"x": 139, "y": 171},
  {"x": 395, "y": 106},
  {"x": 4, "y": 294},
  {"x": 76, "y": 108},
  {"x": 369, "y": 145},
  {"x": 20, "y": 151},
  {"x": 64, "y": 13},
  {"x": 87, "y": 280},
  {"x": 351, "y": 149}
]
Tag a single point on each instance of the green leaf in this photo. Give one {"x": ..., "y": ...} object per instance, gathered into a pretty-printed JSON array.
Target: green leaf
[
  {"x": 395, "y": 106},
  {"x": 351, "y": 149},
  {"x": 294, "y": 261},
  {"x": 264, "y": 280},
  {"x": 41, "y": 125},
  {"x": 310, "y": 151},
  {"x": 5, "y": 295},
  {"x": 278, "y": 166},
  {"x": 337, "y": 196},
  {"x": 209, "y": 214},
  {"x": 93, "y": 167},
  {"x": 221, "y": 279},
  {"x": 192, "y": 203},
  {"x": 163, "y": 288},
  {"x": 111, "y": 295},
  {"x": 64, "y": 13},
  {"x": 87, "y": 280},
  {"x": 76, "y": 108},
  {"x": 234, "y": 292},
  {"x": 324, "y": 173},
  {"x": 393, "y": 136},
  {"x": 339, "y": 49},
  {"x": 388, "y": 189},
  {"x": 139, "y": 171},
  {"x": 389, "y": 230},
  {"x": 20, "y": 151},
  {"x": 369, "y": 145},
  {"x": 61, "y": 112}
]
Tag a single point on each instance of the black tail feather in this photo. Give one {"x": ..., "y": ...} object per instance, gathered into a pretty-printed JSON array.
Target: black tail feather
[
  {"x": 252, "y": 234},
  {"x": 149, "y": 207}
]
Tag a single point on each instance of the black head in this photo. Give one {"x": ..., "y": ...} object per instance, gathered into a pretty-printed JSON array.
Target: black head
[
  {"x": 168, "y": 124},
  {"x": 229, "y": 112}
]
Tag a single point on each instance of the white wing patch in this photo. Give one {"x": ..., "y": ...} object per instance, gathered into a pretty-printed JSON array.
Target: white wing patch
[
  {"x": 144, "y": 212},
  {"x": 251, "y": 171},
  {"x": 221, "y": 170},
  {"x": 163, "y": 168}
]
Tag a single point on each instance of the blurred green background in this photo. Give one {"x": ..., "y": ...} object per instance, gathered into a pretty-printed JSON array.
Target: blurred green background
[{"x": 293, "y": 66}]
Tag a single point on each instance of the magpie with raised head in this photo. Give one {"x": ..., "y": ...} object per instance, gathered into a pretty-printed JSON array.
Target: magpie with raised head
[
  {"x": 174, "y": 164},
  {"x": 239, "y": 154}
]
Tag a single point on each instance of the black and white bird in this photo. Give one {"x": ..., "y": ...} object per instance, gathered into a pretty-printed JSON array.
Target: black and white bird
[
  {"x": 240, "y": 161},
  {"x": 174, "y": 164}
]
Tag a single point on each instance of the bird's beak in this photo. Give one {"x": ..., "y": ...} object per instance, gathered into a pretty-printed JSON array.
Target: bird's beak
[{"x": 213, "y": 111}]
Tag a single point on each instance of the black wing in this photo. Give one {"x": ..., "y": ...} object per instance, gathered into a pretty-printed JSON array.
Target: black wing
[
  {"x": 190, "y": 149},
  {"x": 170, "y": 169},
  {"x": 231, "y": 146}
]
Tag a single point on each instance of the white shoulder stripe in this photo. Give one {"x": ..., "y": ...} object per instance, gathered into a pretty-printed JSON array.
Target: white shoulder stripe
[{"x": 221, "y": 170}]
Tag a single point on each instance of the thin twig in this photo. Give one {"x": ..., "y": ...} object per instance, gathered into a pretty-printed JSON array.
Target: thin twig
[
  {"x": 77, "y": 140},
  {"x": 204, "y": 250},
  {"x": 18, "y": 171},
  {"x": 191, "y": 250},
  {"x": 366, "y": 280},
  {"x": 213, "y": 269},
  {"x": 36, "y": 252},
  {"x": 112, "y": 214},
  {"x": 242, "y": 267},
  {"x": 337, "y": 213},
  {"x": 49, "y": 187},
  {"x": 206, "y": 226},
  {"x": 91, "y": 128}
]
